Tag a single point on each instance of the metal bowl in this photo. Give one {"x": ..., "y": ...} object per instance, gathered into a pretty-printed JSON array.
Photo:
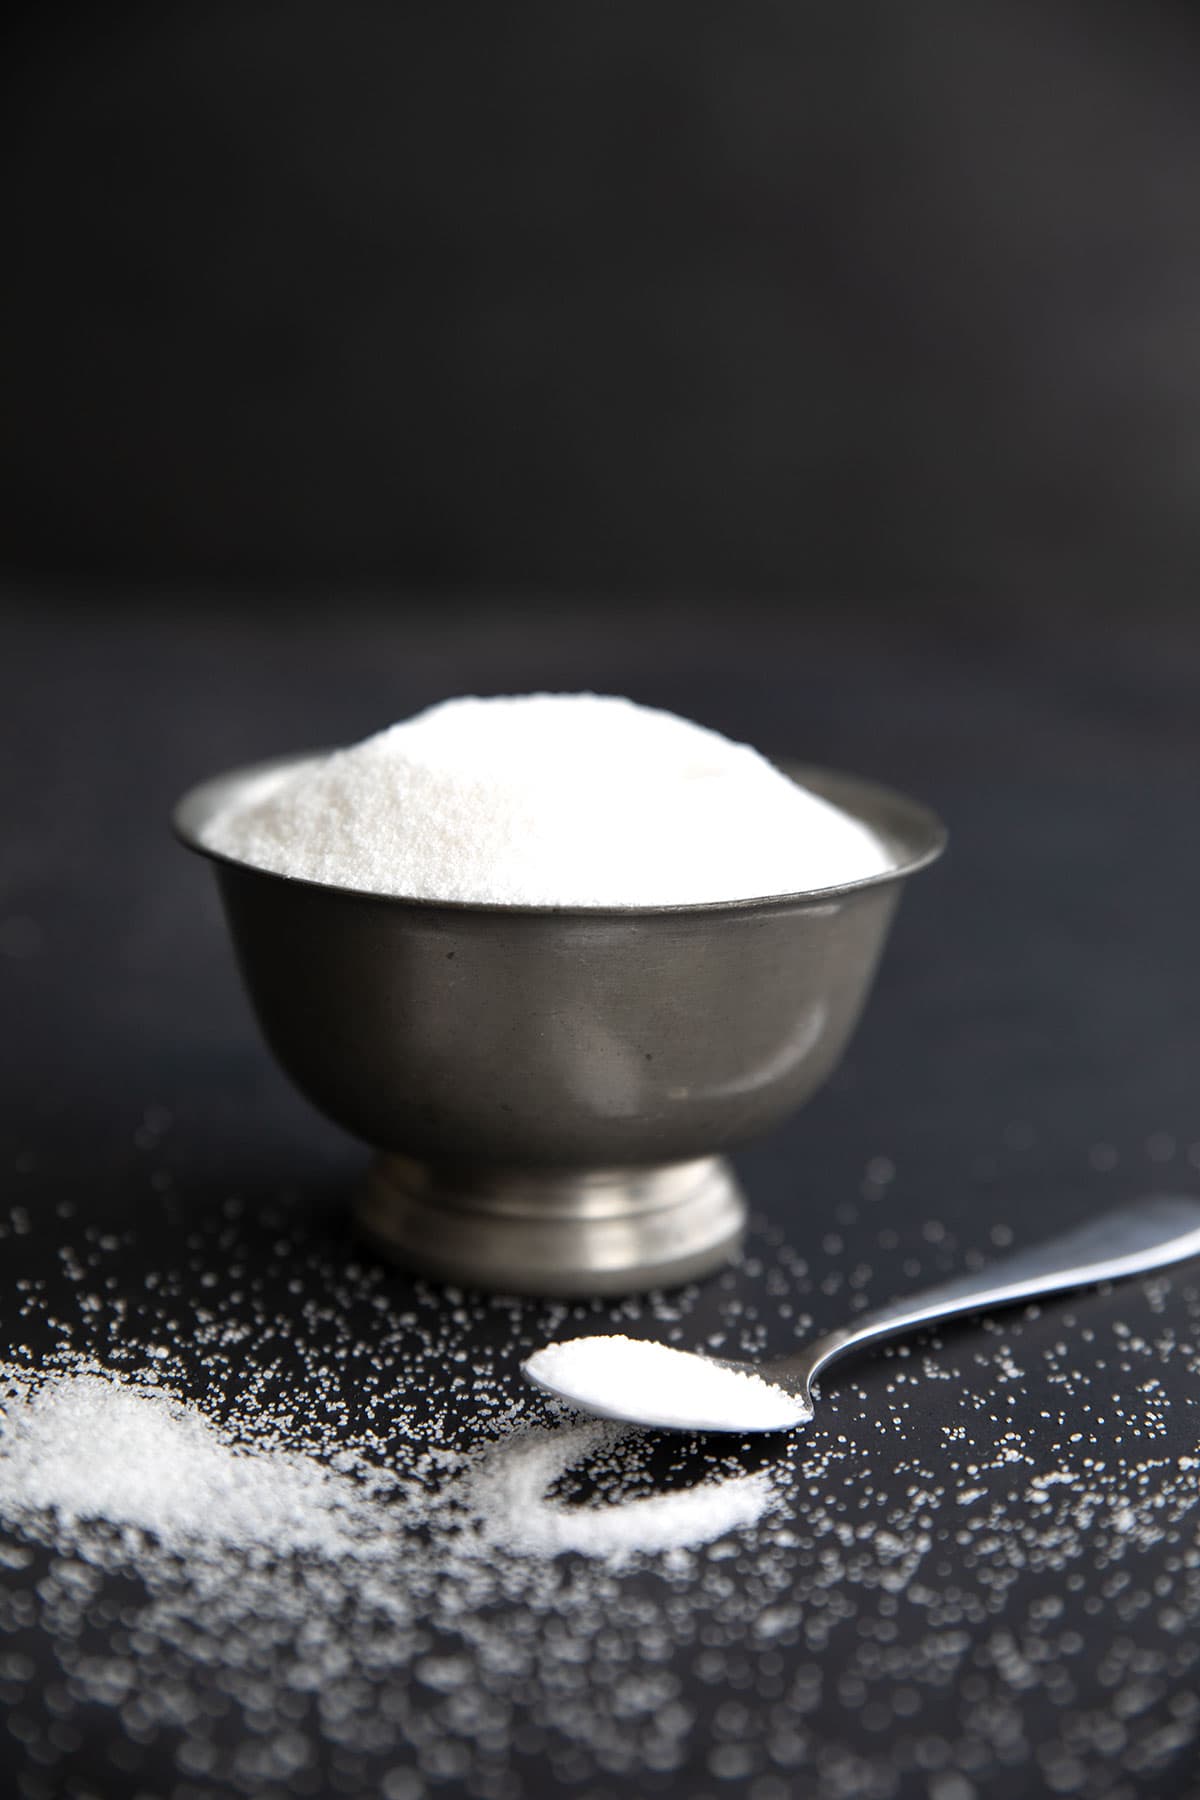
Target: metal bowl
[{"x": 550, "y": 1088}]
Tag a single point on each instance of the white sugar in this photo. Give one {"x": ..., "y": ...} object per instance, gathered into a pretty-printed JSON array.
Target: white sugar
[
  {"x": 549, "y": 800},
  {"x": 88, "y": 1447},
  {"x": 509, "y": 1491},
  {"x": 483, "y": 1589},
  {"x": 623, "y": 1377}
]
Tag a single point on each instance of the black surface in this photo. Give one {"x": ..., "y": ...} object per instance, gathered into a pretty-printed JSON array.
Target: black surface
[{"x": 1030, "y": 1055}]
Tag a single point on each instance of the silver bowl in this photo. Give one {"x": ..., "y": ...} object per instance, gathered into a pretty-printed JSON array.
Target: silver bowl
[{"x": 549, "y": 1087}]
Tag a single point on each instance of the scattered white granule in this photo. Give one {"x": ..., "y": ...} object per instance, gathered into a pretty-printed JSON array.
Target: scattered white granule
[
  {"x": 509, "y": 1494},
  {"x": 549, "y": 800},
  {"x": 93, "y": 1447},
  {"x": 623, "y": 1378}
]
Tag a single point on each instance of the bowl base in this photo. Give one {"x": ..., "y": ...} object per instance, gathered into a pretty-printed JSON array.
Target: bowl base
[{"x": 562, "y": 1232}]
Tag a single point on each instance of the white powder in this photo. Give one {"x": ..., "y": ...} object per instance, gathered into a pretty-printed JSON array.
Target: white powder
[
  {"x": 623, "y": 1377},
  {"x": 509, "y": 1491},
  {"x": 486, "y": 1601},
  {"x": 87, "y": 1446},
  {"x": 549, "y": 800}
]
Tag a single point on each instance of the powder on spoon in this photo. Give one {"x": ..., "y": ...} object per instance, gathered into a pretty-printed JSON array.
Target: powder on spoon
[
  {"x": 548, "y": 800},
  {"x": 634, "y": 1378}
]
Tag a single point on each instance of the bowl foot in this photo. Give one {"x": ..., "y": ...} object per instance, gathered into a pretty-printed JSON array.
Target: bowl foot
[{"x": 556, "y": 1231}]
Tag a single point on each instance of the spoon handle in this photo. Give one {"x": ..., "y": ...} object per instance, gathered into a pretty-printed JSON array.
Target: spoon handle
[{"x": 1144, "y": 1234}]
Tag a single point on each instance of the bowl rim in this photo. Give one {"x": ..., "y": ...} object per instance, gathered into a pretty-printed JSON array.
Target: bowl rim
[{"x": 926, "y": 831}]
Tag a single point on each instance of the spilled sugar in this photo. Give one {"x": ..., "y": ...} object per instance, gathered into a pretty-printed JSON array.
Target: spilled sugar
[
  {"x": 85, "y": 1446},
  {"x": 636, "y": 1378},
  {"x": 549, "y": 800},
  {"x": 508, "y": 1490},
  {"x": 978, "y": 1557}
]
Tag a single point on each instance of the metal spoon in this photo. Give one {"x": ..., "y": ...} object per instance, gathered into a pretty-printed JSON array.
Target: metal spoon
[{"x": 1142, "y": 1235}]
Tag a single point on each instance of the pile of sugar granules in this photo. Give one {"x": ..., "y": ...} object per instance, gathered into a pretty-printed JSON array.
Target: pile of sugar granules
[
  {"x": 361, "y": 1554},
  {"x": 548, "y": 800},
  {"x": 618, "y": 1377}
]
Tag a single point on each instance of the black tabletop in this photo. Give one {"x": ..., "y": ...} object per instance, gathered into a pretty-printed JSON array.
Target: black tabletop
[{"x": 976, "y": 1575}]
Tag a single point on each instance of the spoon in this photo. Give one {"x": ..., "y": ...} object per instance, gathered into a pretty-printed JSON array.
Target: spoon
[{"x": 646, "y": 1383}]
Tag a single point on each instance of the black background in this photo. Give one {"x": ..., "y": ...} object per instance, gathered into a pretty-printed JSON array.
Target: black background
[{"x": 868, "y": 298}]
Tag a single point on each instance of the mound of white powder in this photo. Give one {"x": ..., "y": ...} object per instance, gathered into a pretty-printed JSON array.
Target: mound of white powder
[
  {"x": 549, "y": 800},
  {"x": 624, "y": 1377},
  {"x": 86, "y": 1446}
]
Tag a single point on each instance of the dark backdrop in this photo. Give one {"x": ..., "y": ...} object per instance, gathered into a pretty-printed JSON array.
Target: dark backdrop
[{"x": 867, "y": 298}]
